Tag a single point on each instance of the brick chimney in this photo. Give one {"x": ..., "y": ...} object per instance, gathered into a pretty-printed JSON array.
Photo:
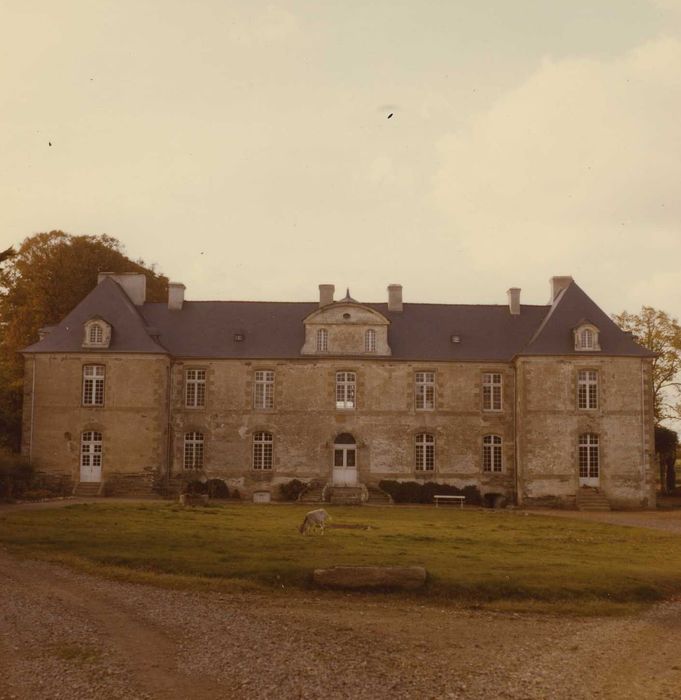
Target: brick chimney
[
  {"x": 558, "y": 284},
  {"x": 394, "y": 297},
  {"x": 134, "y": 284},
  {"x": 326, "y": 294},
  {"x": 175, "y": 296},
  {"x": 514, "y": 300}
]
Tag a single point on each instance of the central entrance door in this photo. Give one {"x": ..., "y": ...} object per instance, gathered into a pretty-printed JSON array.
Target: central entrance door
[{"x": 345, "y": 460}]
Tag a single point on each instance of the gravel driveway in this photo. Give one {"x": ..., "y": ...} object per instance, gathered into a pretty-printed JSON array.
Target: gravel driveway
[{"x": 68, "y": 635}]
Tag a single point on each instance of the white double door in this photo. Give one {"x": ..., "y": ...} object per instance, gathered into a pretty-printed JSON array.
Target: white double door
[{"x": 344, "y": 465}]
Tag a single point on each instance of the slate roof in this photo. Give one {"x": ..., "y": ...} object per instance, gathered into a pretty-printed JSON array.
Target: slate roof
[{"x": 274, "y": 330}]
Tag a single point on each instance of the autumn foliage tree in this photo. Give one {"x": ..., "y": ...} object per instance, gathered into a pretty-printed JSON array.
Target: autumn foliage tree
[{"x": 40, "y": 283}]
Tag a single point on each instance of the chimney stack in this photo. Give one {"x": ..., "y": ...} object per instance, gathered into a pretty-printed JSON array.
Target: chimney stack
[
  {"x": 175, "y": 296},
  {"x": 558, "y": 284},
  {"x": 326, "y": 294},
  {"x": 394, "y": 297},
  {"x": 514, "y": 300},
  {"x": 134, "y": 284}
]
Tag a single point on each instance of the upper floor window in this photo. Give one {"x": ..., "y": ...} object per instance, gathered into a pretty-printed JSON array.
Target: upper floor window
[
  {"x": 263, "y": 396},
  {"x": 586, "y": 337},
  {"x": 491, "y": 391},
  {"x": 425, "y": 453},
  {"x": 193, "y": 450},
  {"x": 425, "y": 391},
  {"x": 91, "y": 449},
  {"x": 587, "y": 388},
  {"x": 491, "y": 453},
  {"x": 93, "y": 385},
  {"x": 195, "y": 388},
  {"x": 262, "y": 450},
  {"x": 346, "y": 386},
  {"x": 322, "y": 340},
  {"x": 370, "y": 340}
]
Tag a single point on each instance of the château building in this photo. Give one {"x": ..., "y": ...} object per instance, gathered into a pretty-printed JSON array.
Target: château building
[{"x": 533, "y": 402}]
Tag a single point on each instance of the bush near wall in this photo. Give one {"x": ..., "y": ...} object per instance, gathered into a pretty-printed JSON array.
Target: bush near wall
[
  {"x": 413, "y": 492},
  {"x": 291, "y": 489},
  {"x": 16, "y": 475}
]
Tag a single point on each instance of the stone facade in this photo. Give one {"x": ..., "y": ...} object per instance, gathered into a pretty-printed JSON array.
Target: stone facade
[{"x": 520, "y": 439}]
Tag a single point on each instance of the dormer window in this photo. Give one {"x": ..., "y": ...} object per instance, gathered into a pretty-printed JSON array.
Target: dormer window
[
  {"x": 322, "y": 340},
  {"x": 370, "y": 340},
  {"x": 96, "y": 334},
  {"x": 586, "y": 338}
]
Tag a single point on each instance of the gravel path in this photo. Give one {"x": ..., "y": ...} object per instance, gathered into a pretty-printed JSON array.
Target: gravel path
[
  {"x": 667, "y": 520},
  {"x": 68, "y": 635}
]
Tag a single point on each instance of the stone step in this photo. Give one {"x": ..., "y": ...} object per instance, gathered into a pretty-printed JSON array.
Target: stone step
[
  {"x": 378, "y": 496},
  {"x": 591, "y": 499},
  {"x": 345, "y": 495},
  {"x": 87, "y": 488}
]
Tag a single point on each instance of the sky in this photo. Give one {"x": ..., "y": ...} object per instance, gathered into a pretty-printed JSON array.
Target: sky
[{"x": 246, "y": 148}]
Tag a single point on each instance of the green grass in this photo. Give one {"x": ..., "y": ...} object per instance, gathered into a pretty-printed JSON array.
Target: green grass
[{"x": 503, "y": 559}]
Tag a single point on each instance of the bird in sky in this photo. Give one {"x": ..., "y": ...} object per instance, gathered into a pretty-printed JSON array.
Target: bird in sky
[{"x": 390, "y": 115}]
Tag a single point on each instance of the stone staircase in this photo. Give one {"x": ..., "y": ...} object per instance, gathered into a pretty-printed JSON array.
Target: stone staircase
[
  {"x": 345, "y": 495},
  {"x": 378, "y": 497},
  {"x": 87, "y": 489},
  {"x": 591, "y": 499}
]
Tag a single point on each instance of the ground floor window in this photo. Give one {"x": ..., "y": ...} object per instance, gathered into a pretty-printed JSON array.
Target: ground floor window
[
  {"x": 425, "y": 453},
  {"x": 193, "y": 450},
  {"x": 262, "y": 450},
  {"x": 589, "y": 456},
  {"x": 491, "y": 453}
]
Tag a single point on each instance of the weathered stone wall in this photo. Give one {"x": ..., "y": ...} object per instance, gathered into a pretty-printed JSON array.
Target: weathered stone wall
[
  {"x": 132, "y": 420},
  {"x": 305, "y": 421},
  {"x": 549, "y": 425}
]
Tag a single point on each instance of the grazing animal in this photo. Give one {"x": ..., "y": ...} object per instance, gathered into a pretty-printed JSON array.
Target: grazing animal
[{"x": 315, "y": 520}]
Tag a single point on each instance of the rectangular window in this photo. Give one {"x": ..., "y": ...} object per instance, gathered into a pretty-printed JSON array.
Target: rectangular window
[
  {"x": 346, "y": 384},
  {"x": 262, "y": 450},
  {"x": 193, "y": 450},
  {"x": 425, "y": 391},
  {"x": 263, "y": 396},
  {"x": 195, "y": 388},
  {"x": 587, "y": 389},
  {"x": 491, "y": 391},
  {"x": 425, "y": 453},
  {"x": 491, "y": 453},
  {"x": 93, "y": 385}
]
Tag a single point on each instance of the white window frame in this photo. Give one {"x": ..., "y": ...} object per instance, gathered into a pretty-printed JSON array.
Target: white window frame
[
  {"x": 586, "y": 338},
  {"x": 424, "y": 452},
  {"x": 370, "y": 340},
  {"x": 587, "y": 389},
  {"x": 194, "y": 450},
  {"x": 346, "y": 390},
  {"x": 194, "y": 387},
  {"x": 492, "y": 391},
  {"x": 589, "y": 456},
  {"x": 424, "y": 390},
  {"x": 263, "y": 389},
  {"x": 94, "y": 377},
  {"x": 322, "y": 340},
  {"x": 96, "y": 334},
  {"x": 492, "y": 454},
  {"x": 263, "y": 451},
  {"x": 91, "y": 451}
]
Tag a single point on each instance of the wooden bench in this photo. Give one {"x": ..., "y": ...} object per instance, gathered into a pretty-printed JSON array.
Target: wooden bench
[{"x": 438, "y": 498}]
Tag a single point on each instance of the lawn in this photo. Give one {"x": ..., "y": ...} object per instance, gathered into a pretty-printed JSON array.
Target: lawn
[{"x": 484, "y": 557}]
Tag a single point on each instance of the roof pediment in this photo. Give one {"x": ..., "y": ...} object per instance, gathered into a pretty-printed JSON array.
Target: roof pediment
[{"x": 346, "y": 313}]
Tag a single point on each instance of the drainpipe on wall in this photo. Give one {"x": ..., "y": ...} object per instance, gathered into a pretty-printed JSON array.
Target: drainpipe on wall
[
  {"x": 515, "y": 435},
  {"x": 643, "y": 426},
  {"x": 30, "y": 439},
  {"x": 169, "y": 437}
]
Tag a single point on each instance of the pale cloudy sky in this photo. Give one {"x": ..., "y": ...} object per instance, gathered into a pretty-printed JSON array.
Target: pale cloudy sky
[{"x": 244, "y": 146}]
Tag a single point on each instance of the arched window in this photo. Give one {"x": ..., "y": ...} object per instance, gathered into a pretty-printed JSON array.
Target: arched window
[
  {"x": 586, "y": 337},
  {"x": 370, "y": 340},
  {"x": 491, "y": 453},
  {"x": 589, "y": 456},
  {"x": 425, "y": 452},
  {"x": 193, "y": 450},
  {"x": 322, "y": 340},
  {"x": 262, "y": 450},
  {"x": 90, "y": 450},
  {"x": 96, "y": 335}
]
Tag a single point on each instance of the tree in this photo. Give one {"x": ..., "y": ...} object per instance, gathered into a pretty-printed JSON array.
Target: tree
[
  {"x": 40, "y": 283},
  {"x": 661, "y": 333},
  {"x": 666, "y": 444}
]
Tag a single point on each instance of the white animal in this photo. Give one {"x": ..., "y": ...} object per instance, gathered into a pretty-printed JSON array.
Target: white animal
[{"x": 315, "y": 520}]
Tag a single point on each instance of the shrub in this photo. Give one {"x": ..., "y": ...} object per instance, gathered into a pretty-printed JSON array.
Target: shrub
[
  {"x": 195, "y": 487},
  {"x": 37, "y": 494},
  {"x": 291, "y": 489},
  {"x": 217, "y": 488},
  {"x": 16, "y": 475},
  {"x": 413, "y": 492}
]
